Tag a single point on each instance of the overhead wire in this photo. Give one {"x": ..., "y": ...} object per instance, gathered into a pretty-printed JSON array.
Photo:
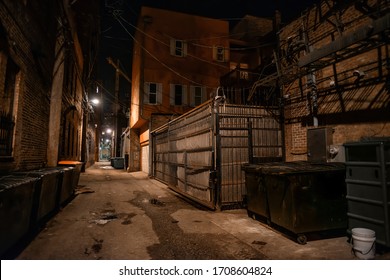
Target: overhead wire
[
  {"x": 157, "y": 108},
  {"x": 158, "y": 60},
  {"x": 121, "y": 21},
  {"x": 200, "y": 38},
  {"x": 167, "y": 45},
  {"x": 201, "y": 45}
]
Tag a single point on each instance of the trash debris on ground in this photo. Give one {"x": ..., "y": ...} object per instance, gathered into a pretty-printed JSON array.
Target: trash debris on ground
[
  {"x": 157, "y": 202},
  {"x": 83, "y": 189}
]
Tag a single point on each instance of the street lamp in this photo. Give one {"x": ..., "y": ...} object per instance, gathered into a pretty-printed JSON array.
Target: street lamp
[{"x": 95, "y": 101}]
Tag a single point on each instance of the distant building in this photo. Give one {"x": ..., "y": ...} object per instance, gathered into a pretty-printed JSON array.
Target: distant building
[{"x": 178, "y": 60}]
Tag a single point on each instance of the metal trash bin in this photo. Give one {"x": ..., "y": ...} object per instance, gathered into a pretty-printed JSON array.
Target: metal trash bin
[
  {"x": 300, "y": 197},
  {"x": 77, "y": 165},
  {"x": 118, "y": 163},
  {"x": 16, "y": 207},
  {"x": 368, "y": 186},
  {"x": 66, "y": 186},
  {"x": 46, "y": 191}
]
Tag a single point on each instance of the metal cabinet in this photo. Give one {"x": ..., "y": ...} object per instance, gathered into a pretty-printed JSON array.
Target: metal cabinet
[{"x": 368, "y": 186}]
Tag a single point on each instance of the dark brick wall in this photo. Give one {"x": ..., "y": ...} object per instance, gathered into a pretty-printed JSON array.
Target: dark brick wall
[
  {"x": 31, "y": 30},
  {"x": 31, "y": 46},
  {"x": 354, "y": 108}
]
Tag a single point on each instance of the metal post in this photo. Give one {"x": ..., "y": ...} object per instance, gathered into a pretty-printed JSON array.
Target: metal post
[{"x": 250, "y": 142}]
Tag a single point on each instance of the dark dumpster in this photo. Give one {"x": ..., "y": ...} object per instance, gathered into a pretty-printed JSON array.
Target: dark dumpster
[
  {"x": 16, "y": 208},
  {"x": 368, "y": 186},
  {"x": 46, "y": 192},
  {"x": 300, "y": 197},
  {"x": 118, "y": 162},
  {"x": 67, "y": 185},
  {"x": 77, "y": 166}
]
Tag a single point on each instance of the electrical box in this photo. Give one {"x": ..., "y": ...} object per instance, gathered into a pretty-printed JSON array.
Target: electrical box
[
  {"x": 336, "y": 153},
  {"x": 319, "y": 140}
]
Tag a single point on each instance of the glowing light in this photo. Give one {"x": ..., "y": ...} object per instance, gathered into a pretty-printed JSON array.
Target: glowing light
[{"x": 95, "y": 101}]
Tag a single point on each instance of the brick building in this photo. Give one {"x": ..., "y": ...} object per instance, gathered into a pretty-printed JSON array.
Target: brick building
[
  {"x": 334, "y": 77},
  {"x": 46, "y": 57},
  {"x": 174, "y": 70}
]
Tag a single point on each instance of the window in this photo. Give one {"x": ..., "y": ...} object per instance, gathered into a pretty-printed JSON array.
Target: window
[
  {"x": 244, "y": 75},
  {"x": 197, "y": 95},
  {"x": 152, "y": 94},
  {"x": 178, "y": 48},
  {"x": 70, "y": 134},
  {"x": 10, "y": 77},
  {"x": 220, "y": 54},
  {"x": 178, "y": 95}
]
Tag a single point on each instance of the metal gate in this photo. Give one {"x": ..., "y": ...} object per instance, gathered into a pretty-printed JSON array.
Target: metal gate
[{"x": 200, "y": 154}]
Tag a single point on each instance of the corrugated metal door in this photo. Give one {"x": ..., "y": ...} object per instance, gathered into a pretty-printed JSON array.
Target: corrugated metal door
[{"x": 200, "y": 154}]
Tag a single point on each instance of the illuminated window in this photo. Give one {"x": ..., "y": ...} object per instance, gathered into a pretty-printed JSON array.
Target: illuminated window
[{"x": 220, "y": 54}]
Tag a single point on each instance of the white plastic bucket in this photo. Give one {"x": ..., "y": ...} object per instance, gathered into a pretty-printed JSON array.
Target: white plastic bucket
[{"x": 363, "y": 241}]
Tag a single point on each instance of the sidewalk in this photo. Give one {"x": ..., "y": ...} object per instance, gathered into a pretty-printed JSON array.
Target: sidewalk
[{"x": 127, "y": 216}]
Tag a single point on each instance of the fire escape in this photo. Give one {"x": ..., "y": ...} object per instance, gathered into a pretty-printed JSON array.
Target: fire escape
[{"x": 306, "y": 63}]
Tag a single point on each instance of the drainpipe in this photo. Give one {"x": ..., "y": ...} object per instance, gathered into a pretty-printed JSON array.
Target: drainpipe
[
  {"x": 311, "y": 82},
  {"x": 217, "y": 167},
  {"x": 314, "y": 97}
]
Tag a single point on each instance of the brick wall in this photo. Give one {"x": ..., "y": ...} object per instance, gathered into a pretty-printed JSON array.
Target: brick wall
[
  {"x": 354, "y": 107},
  {"x": 29, "y": 31},
  {"x": 30, "y": 46}
]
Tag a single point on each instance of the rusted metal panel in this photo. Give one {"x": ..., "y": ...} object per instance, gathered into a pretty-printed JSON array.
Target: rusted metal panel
[{"x": 200, "y": 154}]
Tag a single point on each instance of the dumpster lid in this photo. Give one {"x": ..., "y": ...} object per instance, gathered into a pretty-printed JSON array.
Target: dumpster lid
[
  {"x": 296, "y": 167},
  {"x": 13, "y": 181},
  {"x": 69, "y": 162},
  {"x": 369, "y": 141}
]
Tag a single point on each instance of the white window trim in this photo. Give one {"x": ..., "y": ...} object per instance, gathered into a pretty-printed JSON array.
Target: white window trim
[
  {"x": 147, "y": 93},
  {"x": 192, "y": 95},
  {"x": 183, "y": 98},
  {"x": 225, "y": 53},
  {"x": 183, "y": 51}
]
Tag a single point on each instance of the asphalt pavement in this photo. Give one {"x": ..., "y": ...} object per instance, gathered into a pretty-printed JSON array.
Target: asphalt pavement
[{"x": 117, "y": 215}]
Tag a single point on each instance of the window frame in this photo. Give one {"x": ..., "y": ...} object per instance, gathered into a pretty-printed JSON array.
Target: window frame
[
  {"x": 10, "y": 90},
  {"x": 178, "y": 51},
  {"x": 148, "y": 93},
  {"x": 220, "y": 53},
  {"x": 173, "y": 94},
  {"x": 193, "y": 93}
]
